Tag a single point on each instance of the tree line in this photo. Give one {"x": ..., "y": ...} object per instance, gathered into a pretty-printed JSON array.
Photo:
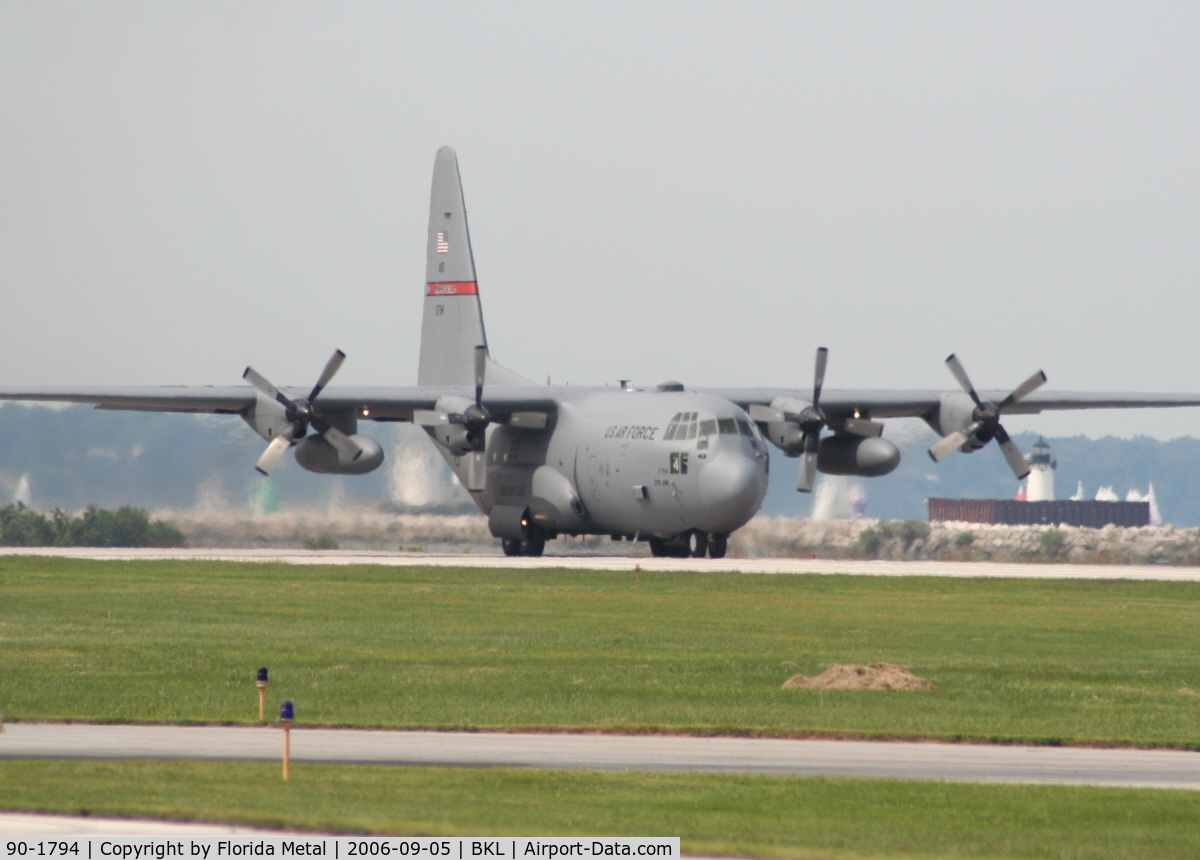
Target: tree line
[{"x": 125, "y": 527}]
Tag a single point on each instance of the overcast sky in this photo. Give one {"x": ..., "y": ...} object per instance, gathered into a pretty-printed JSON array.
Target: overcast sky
[{"x": 699, "y": 191}]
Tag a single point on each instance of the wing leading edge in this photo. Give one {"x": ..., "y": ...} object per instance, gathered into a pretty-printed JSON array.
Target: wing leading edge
[
  {"x": 372, "y": 403},
  {"x": 398, "y": 403}
]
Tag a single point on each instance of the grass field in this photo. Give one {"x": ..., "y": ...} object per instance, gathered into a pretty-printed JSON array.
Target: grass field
[
  {"x": 1039, "y": 661},
  {"x": 717, "y": 815}
]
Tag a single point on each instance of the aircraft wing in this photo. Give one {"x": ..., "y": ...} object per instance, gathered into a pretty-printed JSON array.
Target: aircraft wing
[
  {"x": 883, "y": 403},
  {"x": 376, "y": 403},
  {"x": 398, "y": 403},
  {"x": 228, "y": 399}
]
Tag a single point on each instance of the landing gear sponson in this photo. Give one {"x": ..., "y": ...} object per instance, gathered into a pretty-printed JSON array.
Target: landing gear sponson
[{"x": 533, "y": 544}]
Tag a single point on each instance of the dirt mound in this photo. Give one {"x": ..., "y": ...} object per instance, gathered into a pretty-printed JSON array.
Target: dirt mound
[{"x": 877, "y": 676}]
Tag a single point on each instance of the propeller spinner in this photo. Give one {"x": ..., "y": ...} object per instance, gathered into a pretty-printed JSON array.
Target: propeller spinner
[
  {"x": 300, "y": 414},
  {"x": 985, "y": 422}
]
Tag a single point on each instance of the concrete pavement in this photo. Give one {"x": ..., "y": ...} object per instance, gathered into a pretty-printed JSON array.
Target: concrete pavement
[
  {"x": 1128, "y": 768},
  {"x": 629, "y": 563}
]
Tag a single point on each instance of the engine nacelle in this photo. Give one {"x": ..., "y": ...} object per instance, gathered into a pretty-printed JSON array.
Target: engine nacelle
[
  {"x": 317, "y": 455},
  {"x": 456, "y": 438},
  {"x": 453, "y": 437},
  {"x": 954, "y": 413},
  {"x": 854, "y": 455},
  {"x": 785, "y": 434},
  {"x": 266, "y": 417}
]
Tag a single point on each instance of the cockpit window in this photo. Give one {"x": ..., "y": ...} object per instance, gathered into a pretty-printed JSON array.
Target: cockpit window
[
  {"x": 708, "y": 428},
  {"x": 744, "y": 427},
  {"x": 727, "y": 426},
  {"x": 683, "y": 426}
]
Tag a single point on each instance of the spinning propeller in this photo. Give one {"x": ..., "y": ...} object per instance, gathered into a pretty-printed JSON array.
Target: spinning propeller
[
  {"x": 300, "y": 414},
  {"x": 985, "y": 422}
]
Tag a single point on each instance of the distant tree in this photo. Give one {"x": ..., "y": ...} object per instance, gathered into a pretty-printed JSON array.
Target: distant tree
[
  {"x": 124, "y": 527},
  {"x": 20, "y": 526}
]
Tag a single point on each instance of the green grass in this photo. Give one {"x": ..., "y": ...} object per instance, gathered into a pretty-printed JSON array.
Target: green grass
[
  {"x": 1040, "y": 661},
  {"x": 753, "y": 816}
]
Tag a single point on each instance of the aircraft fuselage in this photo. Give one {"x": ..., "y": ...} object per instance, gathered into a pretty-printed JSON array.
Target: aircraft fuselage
[{"x": 626, "y": 463}]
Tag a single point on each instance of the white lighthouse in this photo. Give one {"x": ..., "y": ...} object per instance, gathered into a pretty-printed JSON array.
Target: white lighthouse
[{"x": 1041, "y": 473}]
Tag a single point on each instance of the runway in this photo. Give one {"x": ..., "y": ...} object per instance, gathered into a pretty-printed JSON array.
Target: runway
[
  {"x": 1126, "y": 768},
  {"x": 629, "y": 563}
]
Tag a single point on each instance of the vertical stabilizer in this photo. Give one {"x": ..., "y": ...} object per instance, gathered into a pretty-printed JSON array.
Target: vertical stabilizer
[
  {"x": 452, "y": 325},
  {"x": 453, "y": 321}
]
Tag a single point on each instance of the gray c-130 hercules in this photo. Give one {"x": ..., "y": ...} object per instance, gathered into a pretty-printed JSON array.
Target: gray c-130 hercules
[{"x": 681, "y": 468}]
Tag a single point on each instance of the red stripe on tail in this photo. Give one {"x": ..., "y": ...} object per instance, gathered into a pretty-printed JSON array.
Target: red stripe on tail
[{"x": 454, "y": 288}]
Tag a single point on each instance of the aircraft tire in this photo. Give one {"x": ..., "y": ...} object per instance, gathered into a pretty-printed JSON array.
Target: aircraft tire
[
  {"x": 510, "y": 547},
  {"x": 535, "y": 544},
  {"x": 717, "y": 544},
  {"x": 697, "y": 544},
  {"x": 659, "y": 548}
]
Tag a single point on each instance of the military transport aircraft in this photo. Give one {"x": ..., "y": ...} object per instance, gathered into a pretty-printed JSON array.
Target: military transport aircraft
[{"x": 681, "y": 468}]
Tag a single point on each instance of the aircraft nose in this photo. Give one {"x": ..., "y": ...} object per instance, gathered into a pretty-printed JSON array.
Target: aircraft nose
[{"x": 732, "y": 487}]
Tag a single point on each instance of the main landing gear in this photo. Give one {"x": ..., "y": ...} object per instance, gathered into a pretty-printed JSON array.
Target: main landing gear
[
  {"x": 533, "y": 545},
  {"x": 691, "y": 544}
]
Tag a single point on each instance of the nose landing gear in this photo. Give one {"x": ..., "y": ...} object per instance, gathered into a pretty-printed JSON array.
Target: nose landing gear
[{"x": 690, "y": 544}]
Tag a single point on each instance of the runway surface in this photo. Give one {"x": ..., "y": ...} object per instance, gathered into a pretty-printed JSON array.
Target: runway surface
[
  {"x": 629, "y": 563},
  {"x": 920, "y": 761}
]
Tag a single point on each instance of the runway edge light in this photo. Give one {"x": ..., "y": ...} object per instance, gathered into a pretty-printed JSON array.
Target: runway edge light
[
  {"x": 286, "y": 713},
  {"x": 261, "y": 683}
]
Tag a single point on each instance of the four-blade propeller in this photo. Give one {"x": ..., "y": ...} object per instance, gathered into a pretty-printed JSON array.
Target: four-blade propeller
[
  {"x": 300, "y": 414},
  {"x": 811, "y": 420},
  {"x": 985, "y": 423},
  {"x": 475, "y": 418}
]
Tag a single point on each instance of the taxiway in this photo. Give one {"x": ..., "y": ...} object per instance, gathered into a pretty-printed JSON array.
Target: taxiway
[
  {"x": 1127, "y": 768},
  {"x": 846, "y": 567}
]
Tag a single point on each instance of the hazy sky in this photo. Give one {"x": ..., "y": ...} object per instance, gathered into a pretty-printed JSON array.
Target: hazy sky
[{"x": 696, "y": 191}]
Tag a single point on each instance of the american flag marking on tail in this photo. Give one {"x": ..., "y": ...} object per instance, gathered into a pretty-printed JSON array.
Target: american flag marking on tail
[{"x": 443, "y": 247}]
